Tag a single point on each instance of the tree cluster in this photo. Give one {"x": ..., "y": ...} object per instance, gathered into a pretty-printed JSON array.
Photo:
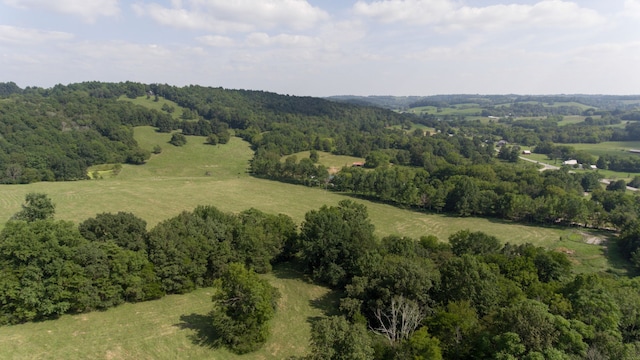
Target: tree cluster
[
  {"x": 473, "y": 298},
  {"x": 470, "y": 298},
  {"x": 51, "y": 267}
]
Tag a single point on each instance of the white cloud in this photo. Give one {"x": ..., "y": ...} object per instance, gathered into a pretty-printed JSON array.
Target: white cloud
[
  {"x": 234, "y": 16},
  {"x": 87, "y": 9},
  {"x": 621, "y": 52},
  {"x": 297, "y": 41},
  {"x": 632, "y": 8},
  {"x": 28, "y": 36},
  {"x": 450, "y": 15},
  {"x": 216, "y": 41},
  {"x": 413, "y": 11}
]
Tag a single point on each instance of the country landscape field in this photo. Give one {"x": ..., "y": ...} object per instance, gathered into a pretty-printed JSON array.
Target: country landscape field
[{"x": 435, "y": 211}]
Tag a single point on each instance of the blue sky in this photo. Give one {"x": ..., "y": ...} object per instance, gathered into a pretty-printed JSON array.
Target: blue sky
[{"x": 330, "y": 47}]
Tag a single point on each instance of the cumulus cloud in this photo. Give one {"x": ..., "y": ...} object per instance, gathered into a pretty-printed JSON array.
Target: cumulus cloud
[
  {"x": 28, "y": 36},
  {"x": 89, "y": 10},
  {"x": 632, "y": 8},
  {"x": 234, "y": 16},
  {"x": 263, "y": 39},
  {"x": 216, "y": 41},
  {"x": 450, "y": 15}
]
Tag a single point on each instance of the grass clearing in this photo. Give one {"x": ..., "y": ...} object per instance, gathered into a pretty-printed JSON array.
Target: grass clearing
[
  {"x": 422, "y": 127},
  {"x": 332, "y": 162},
  {"x": 571, "y": 119},
  {"x": 618, "y": 148},
  {"x": 174, "y": 327},
  {"x": 156, "y": 105},
  {"x": 460, "y": 109}
]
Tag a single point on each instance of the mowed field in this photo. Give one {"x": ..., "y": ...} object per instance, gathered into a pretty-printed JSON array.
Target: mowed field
[
  {"x": 174, "y": 327},
  {"x": 179, "y": 179}
]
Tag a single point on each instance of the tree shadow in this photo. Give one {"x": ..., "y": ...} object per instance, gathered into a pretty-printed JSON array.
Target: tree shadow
[
  {"x": 328, "y": 303},
  {"x": 204, "y": 333},
  {"x": 616, "y": 259},
  {"x": 292, "y": 269}
]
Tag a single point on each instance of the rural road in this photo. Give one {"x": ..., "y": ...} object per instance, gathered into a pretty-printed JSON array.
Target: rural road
[
  {"x": 545, "y": 166},
  {"x": 553, "y": 167}
]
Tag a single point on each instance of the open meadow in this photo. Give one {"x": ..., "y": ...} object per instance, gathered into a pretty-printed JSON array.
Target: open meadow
[
  {"x": 174, "y": 327},
  {"x": 180, "y": 178}
]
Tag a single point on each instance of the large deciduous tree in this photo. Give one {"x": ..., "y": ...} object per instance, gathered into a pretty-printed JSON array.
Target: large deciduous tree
[
  {"x": 335, "y": 338},
  {"x": 243, "y": 308},
  {"x": 335, "y": 241},
  {"x": 125, "y": 229},
  {"x": 37, "y": 206}
]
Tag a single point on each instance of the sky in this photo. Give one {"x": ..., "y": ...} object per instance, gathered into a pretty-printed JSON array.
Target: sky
[{"x": 328, "y": 47}]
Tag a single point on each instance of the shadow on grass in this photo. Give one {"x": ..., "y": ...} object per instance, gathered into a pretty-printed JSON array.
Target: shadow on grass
[
  {"x": 292, "y": 269},
  {"x": 328, "y": 303},
  {"x": 204, "y": 333},
  {"x": 616, "y": 259}
]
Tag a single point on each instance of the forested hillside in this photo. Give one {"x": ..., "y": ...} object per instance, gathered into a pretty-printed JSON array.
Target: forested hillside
[{"x": 56, "y": 134}]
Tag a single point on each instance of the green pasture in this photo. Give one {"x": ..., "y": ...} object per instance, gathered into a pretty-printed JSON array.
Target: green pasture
[
  {"x": 333, "y": 162},
  {"x": 570, "y": 103},
  {"x": 618, "y": 148},
  {"x": 571, "y": 119},
  {"x": 414, "y": 127},
  {"x": 609, "y": 148},
  {"x": 174, "y": 327},
  {"x": 156, "y": 105},
  {"x": 181, "y": 178},
  {"x": 554, "y": 104},
  {"x": 461, "y": 109}
]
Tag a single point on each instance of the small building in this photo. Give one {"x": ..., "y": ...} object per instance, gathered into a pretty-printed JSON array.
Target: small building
[
  {"x": 570, "y": 162},
  {"x": 502, "y": 143},
  {"x": 593, "y": 167},
  {"x": 526, "y": 152},
  {"x": 357, "y": 164}
]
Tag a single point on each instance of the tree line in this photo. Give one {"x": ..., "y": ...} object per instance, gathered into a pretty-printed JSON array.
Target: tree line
[{"x": 472, "y": 297}]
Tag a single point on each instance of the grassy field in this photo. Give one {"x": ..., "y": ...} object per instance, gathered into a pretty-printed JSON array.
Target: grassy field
[
  {"x": 620, "y": 148},
  {"x": 174, "y": 327},
  {"x": 181, "y": 178},
  {"x": 461, "y": 109},
  {"x": 156, "y": 105},
  {"x": 333, "y": 162},
  {"x": 414, "y": 127}
]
